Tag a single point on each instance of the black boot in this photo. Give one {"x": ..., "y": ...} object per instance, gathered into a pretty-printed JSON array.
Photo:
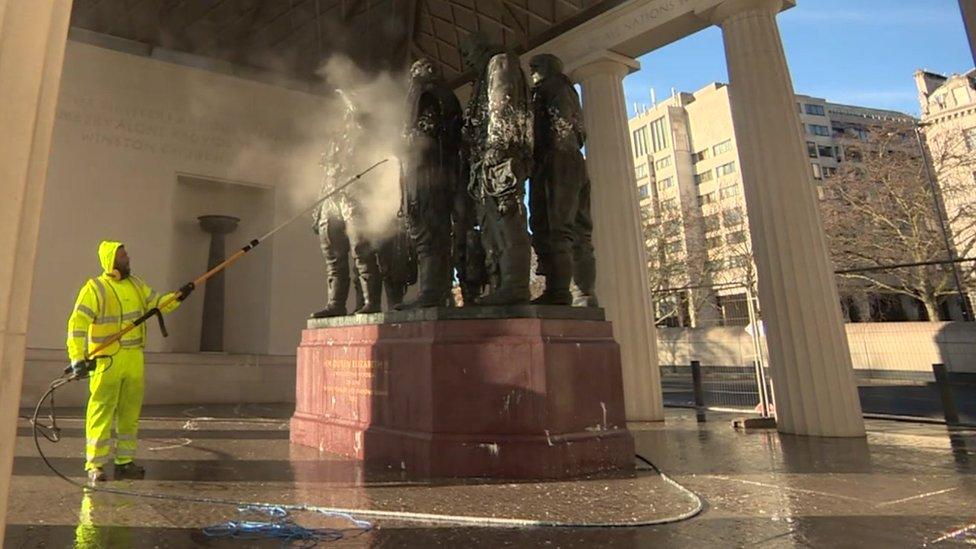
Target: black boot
[
  {"x": 584, "y": 274},
  {"x": 513, "y": 265},
  {"x": 558, "y": 277},
  {"x": 338, "y": 294},
  {"x": 129, "y": 470},
  {"x": 96, "y": 474},
  {"x": 372, "y": 286},
  {"x": 433, "y": 280}
]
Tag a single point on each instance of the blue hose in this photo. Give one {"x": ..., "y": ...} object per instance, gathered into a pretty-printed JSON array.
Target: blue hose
[{"x": 282, "y": 527}]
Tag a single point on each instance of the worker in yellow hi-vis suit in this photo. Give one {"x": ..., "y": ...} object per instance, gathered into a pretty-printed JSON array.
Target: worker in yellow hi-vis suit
[{"x": 105, "y": 305}]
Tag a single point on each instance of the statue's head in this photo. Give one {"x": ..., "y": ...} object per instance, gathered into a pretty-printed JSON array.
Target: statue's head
[
  {"x": 477, "y": 50},
  {"x": 543, "y": 66},
  {"x": 424, "y": 70}
]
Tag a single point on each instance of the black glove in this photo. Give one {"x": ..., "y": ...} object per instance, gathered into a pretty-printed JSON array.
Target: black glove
[
  {"x": 185, "y": 291},
  {"x": 80, "y": 368}
]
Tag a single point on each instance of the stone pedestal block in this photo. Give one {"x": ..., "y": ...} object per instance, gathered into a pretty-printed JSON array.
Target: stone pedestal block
[{"x": 500, "y": 398}]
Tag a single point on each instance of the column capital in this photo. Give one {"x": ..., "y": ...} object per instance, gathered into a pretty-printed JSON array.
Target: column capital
[
  {"x": 602, "y": 62},
  {"x": 721, "y": 13}
]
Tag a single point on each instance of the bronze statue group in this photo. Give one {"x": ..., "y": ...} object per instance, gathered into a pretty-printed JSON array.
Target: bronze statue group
[{"x": 463, "y": 193}]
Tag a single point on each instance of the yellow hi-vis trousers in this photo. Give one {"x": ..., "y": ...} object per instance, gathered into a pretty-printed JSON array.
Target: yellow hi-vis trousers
[{"x": 116, "y": 389}]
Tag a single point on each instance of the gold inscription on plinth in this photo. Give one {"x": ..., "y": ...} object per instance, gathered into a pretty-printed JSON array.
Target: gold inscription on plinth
[{"x": 358, "y": 377}]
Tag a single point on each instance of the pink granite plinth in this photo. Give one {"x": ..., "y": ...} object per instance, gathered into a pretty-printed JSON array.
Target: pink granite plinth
[{"x": 501, "y": 398}]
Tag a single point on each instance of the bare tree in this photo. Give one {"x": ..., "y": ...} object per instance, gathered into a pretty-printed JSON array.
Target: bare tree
[
  {"x": 673, "y": 266},
  {"x": 880, "y": 210}
]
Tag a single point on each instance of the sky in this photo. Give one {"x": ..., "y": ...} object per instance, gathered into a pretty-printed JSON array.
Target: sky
[{"x": 858, "y": 52}]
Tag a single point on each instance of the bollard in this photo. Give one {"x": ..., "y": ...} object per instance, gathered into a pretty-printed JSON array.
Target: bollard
[
  {"x": 761, "y": 388},
  {"x": 696, "y": 380},
  {"x": 945, "y": 393}
]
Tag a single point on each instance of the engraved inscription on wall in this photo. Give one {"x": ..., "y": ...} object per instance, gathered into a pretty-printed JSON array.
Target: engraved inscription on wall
[
  {"x": 208, "y": 137},
  {"x": 363, "y": 377}
]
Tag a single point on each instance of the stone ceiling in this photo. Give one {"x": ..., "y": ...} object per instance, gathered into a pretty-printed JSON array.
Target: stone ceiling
[{"x": 294, "y": 36}]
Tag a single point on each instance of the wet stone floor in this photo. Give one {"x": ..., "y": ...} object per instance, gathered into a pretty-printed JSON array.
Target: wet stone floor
[{"x": 906, "y": 485}]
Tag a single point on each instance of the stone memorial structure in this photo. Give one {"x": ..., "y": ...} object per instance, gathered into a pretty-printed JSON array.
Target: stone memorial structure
[{"x": 500, "y": 388}]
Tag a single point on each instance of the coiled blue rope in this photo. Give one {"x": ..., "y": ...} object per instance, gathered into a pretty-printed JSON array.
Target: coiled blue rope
[{"x": 280, "y": 525}]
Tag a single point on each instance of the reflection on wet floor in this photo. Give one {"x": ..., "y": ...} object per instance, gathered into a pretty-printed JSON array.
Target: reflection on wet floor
[{"x": 906, "y": 484}]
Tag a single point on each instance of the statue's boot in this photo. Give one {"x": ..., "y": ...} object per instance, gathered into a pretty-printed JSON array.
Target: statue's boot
[
  {"x": 514, "y": 266},
  {"x": 584, "y": 274},
  {"x": 394, "y": 294},
  {"x": 470, "y": 293},
  {"x": 433, "y": 278},
  {"x": 357, "y": 287},
  {"x": 372, "y": 286},
  {"x": 338, "y": 293},
  {"x": 558, "y": 277}
]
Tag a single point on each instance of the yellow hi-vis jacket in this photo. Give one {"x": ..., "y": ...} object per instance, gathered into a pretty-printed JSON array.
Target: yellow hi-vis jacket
[{"x": 106, "y": 305}]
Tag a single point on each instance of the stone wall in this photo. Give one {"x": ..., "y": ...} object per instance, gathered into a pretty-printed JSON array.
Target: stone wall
[
  {"x": 177, "y": 378},
  {"x": 893, "y": 346}
]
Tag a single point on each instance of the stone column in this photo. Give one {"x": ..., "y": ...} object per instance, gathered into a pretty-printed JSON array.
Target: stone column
[
  {"x": 212, "y": 328},
  {"x": 810, "y": 360},
  {"x": 622, "y": 282},
  {"x": 32, "y": 42}
]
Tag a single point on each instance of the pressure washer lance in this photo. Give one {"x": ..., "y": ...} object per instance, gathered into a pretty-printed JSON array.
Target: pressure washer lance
[{"x": 90, "y": 360}]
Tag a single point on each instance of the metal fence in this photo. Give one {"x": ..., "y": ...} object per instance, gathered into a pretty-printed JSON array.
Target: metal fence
[
  {"x": 705, "y": 377},
  {"x": 735, "y": 388}
]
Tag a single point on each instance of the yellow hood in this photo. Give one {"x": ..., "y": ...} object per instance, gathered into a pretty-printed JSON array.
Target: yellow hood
[{"x": 106, "y": 255}]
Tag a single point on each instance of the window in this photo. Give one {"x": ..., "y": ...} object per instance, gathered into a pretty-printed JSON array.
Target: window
[
  {"x": 722, "y": 148},
  {"x": 725, "y": 169},
  {"x": 817, "y": 171},
  {"x": 703, "y": 177},
  {"x": 640, "y": 142},
  {"x": 663, "y": 163},
  {"x": 829, "y": 172},
  {"x": 739, "y": 262},
  {"x": 737, "y": 237},
  {"x": 665, "y": 183},
  {"x": 729, "y": 192},
  {"x": 712, "y": 223},
  {"x": 709, "y": 198},
  {"x": 713, "y": 242},
  {"x": 961, "y": 94},
  {"x": 643, "y": 191},
  {"x": 668, "y": 204},
  {"x": 641, "y": 171},
  {"x": 815, "y": 110},
  {"x": 970, "y": 135},
  {"x": 699, "y": 156},
  {"x": 732, "y": 218},
  {"x": 817, "y": 129},
  {"x": 812, "y": 149},
  {"x": 659, "y": 134},
  {"x": 826, "y": 151},
  {"x": 714, "y": 265}
]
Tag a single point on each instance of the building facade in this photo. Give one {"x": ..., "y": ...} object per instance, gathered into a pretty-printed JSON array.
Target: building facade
[
  {"x": 948, "y": 125},
  {"x": 688, "y": 169}
]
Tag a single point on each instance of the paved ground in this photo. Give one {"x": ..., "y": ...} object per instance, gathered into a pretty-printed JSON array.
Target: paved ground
[{"x": 906, "y": 485}]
